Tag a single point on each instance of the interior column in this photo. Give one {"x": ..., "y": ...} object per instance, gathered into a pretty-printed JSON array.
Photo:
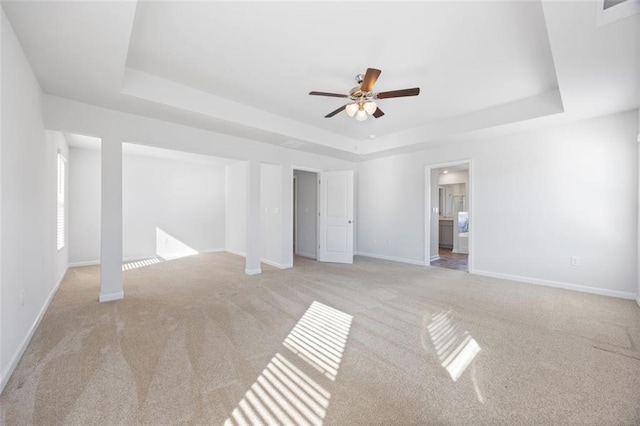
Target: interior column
[
  {"x": 111, "y": 221},
  {"x": 252, "y": 265},
  {"x": 638, "y": 266},
  {"x": 287, "y": 215}
]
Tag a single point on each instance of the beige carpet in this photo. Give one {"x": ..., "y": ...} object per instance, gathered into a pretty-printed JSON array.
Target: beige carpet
[{"x": 196, "y": 341}]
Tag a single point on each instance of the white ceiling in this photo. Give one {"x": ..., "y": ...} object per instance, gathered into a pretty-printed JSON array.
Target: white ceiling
[
  {"x": 245, "y": 68},
  {"x": 270, "y": 55}
]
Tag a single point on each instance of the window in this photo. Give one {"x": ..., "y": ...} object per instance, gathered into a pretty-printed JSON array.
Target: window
[
  {"x": 610, "y": 11},
  {"x": 61, "y": 233},
  {"x": 610, "y": 3}
]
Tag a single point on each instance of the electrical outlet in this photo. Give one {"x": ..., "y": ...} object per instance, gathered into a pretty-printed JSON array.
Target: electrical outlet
[
  {"x": 22, "y": 298},
  {"x": 575, "y": 261}
]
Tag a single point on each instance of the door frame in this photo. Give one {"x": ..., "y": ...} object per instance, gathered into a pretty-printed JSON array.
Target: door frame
[
  {"x": 293, "y": 207},
  {"x": 429, "y": 204}
]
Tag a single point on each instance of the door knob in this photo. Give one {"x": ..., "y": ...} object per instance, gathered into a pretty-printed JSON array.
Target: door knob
[{"x": 349, "y": 221}]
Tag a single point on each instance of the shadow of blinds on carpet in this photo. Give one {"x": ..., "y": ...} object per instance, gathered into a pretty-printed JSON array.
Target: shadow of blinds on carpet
[
  {"x": 284, "y": 393},
  {"x": 455, "y": 348}
]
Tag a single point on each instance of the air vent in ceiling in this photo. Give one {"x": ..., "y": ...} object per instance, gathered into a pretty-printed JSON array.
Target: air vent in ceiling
[{"x": 293, "y": 143}]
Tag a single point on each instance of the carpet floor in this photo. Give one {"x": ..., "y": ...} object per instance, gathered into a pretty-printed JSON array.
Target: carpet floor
[{"x": 196, "y": 341}]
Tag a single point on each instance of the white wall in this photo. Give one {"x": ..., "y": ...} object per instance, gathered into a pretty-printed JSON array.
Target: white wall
[
  {"x": 84, "y": 205},
  {"x": 307, "y": 213},
  {"x": 391, "y": 199},
  {"x": 236, "y": 208},
  {"x": 183, "y": 199},
  {"x": 30, "y": 263},
  {"x": 75, "y": 117},
  {"x": 539, "y": 198},
  {"x": 271, "y": 214},
  {"x": 435, "y": 221}
]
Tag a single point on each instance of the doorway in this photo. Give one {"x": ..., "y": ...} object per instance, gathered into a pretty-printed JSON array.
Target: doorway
[
  {"x": 447, "y": 222},
  {"x": 305, "y": 214}
]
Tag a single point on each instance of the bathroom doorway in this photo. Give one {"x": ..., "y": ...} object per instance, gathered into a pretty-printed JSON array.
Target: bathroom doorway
[{"x": 448, "y": 218}]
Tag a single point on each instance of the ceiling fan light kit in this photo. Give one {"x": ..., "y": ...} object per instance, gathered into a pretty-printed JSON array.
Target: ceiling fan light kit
[
  {"x": 351, "y": 109},
  {"x": 363, "y": 98}
]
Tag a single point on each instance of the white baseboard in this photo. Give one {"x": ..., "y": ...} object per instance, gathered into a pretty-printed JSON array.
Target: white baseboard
[
  {"x": 557, "y": 284},
  {"x": 394, "y": 259},
  {"x": 97, "y": 262},
  {"x": 275, "y": 264},
  {"x": 217, "y": 250},
  {"x": 236, "y": 252},
  {"x": 137, "y": 258},
  {"x": 111, "y": 297},
  {"x": 87, "y": 263},
  {"x": 303, "y": 254},
  {"x": 25, "y": 342},
  {"x": 262, "y": 260},
  {"x": 434, "y": 258}
]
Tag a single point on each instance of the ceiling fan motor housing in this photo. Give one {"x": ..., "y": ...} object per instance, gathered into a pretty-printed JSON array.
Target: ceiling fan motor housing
[{"x": 363, "y": 96}]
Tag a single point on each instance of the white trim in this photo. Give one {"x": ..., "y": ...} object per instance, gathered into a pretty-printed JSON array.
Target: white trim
[
  {"x": 87, "y": 263},
  {"x": 236, "y": 252},
  {"x": 111, "y": 297},
  {"x": 303, "y": 254},
  {"x": 470, "y": 208},
  {"x": 434, "y": 258},
  {"x": 391, "y": 258},
  {"x": 557, "y": 284},
  {"x": 305, "y": 169},
  {"x": 138, "y": 258},
  {"x": 97, "y": 262},
  {"x": 6, "y": 375},
  {"x": 253, "y": 271},
  {"x": 216, "y": 250},
  {"x": 274, "y": 264}
]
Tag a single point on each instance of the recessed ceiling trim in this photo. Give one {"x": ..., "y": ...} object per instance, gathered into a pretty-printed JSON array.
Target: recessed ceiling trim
[
  {"x": 526, "y": 109},
  {"x": 146, "y": 86}
]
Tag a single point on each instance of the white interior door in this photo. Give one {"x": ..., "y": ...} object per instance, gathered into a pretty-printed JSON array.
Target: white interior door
[{"x": 336, "y": 217}]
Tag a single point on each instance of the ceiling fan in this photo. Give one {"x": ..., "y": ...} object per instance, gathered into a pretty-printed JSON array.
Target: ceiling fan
[{"x": 363, "y": 98}]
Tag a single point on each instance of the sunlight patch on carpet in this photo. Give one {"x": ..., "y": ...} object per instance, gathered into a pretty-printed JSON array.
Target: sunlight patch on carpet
[
  {"x": 283, "y": 393},
  {"x": 141, "y": 263},
  {"x": 455, "y": 348},
  {"x": 320, "y": 337}
]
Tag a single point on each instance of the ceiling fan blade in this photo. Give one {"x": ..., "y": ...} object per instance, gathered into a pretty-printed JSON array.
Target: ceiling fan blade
[
  {"x": 332, "y": 113},
  {"x": 370, "y": 79},
  {"x": 333, "y": 95},
  {"x": 378, "y": 113},
  {"x": 398, "y": 93}
]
